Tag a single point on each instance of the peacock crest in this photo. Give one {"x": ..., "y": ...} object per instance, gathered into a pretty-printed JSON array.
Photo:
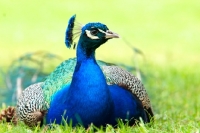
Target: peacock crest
[{"x": 72, "y": 32}]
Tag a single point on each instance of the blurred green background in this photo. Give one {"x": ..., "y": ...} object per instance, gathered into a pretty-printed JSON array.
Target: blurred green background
[{"x": 166, "y": 31}]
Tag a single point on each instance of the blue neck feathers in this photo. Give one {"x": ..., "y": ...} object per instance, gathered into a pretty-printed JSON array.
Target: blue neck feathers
[
  {"x": 88, "y": 91},
  {"x": 87, "y": 70},
  {"x": 83, "y": 53}
]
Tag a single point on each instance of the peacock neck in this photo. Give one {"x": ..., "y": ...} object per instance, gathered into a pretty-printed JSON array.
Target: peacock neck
[
  {"x": 84, "y": 53},
  {"x": 87, "y": 73}
]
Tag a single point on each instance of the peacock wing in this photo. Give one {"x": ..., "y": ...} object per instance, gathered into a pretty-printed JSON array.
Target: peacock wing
[
  {"x": 31, "y": 106},
  {"x": 116, "y": 75},
  {"x": 61, "y": 76}
]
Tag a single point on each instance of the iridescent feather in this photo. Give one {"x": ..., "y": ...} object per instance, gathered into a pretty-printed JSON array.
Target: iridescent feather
[{"x": 37, "y": 98}]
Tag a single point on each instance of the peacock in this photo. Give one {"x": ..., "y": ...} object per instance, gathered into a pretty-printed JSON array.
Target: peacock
[{"x": 84, "y": 90}]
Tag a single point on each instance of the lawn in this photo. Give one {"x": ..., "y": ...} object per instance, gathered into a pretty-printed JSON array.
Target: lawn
[{"x": 167, "y": 33}]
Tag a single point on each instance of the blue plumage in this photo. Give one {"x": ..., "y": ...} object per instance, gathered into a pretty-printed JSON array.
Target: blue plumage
[
  {"x": 126, "y": 106},
  {"x": 85, "y": 90},
  {"x": 88, "y": 98}
]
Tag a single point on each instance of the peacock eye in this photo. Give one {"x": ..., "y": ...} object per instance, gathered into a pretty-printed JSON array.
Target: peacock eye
[{"x": 94, "y": 32}]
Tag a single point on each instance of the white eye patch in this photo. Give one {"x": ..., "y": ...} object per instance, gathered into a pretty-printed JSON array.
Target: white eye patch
[
  {"x": 107, "y": 33},
  {"x": 93, "y": 36},
  {"x": 90, "y": 35}
]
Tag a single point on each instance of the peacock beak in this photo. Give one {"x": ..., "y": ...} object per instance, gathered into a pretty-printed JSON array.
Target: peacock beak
[{"x": 110, "y": 34}]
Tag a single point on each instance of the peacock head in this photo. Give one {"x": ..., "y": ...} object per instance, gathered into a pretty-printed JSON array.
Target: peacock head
[{"x": 94, "y": 34}]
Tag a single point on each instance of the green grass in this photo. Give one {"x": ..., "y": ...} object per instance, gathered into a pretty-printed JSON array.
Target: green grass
[{"x": 167, "y": 32}]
